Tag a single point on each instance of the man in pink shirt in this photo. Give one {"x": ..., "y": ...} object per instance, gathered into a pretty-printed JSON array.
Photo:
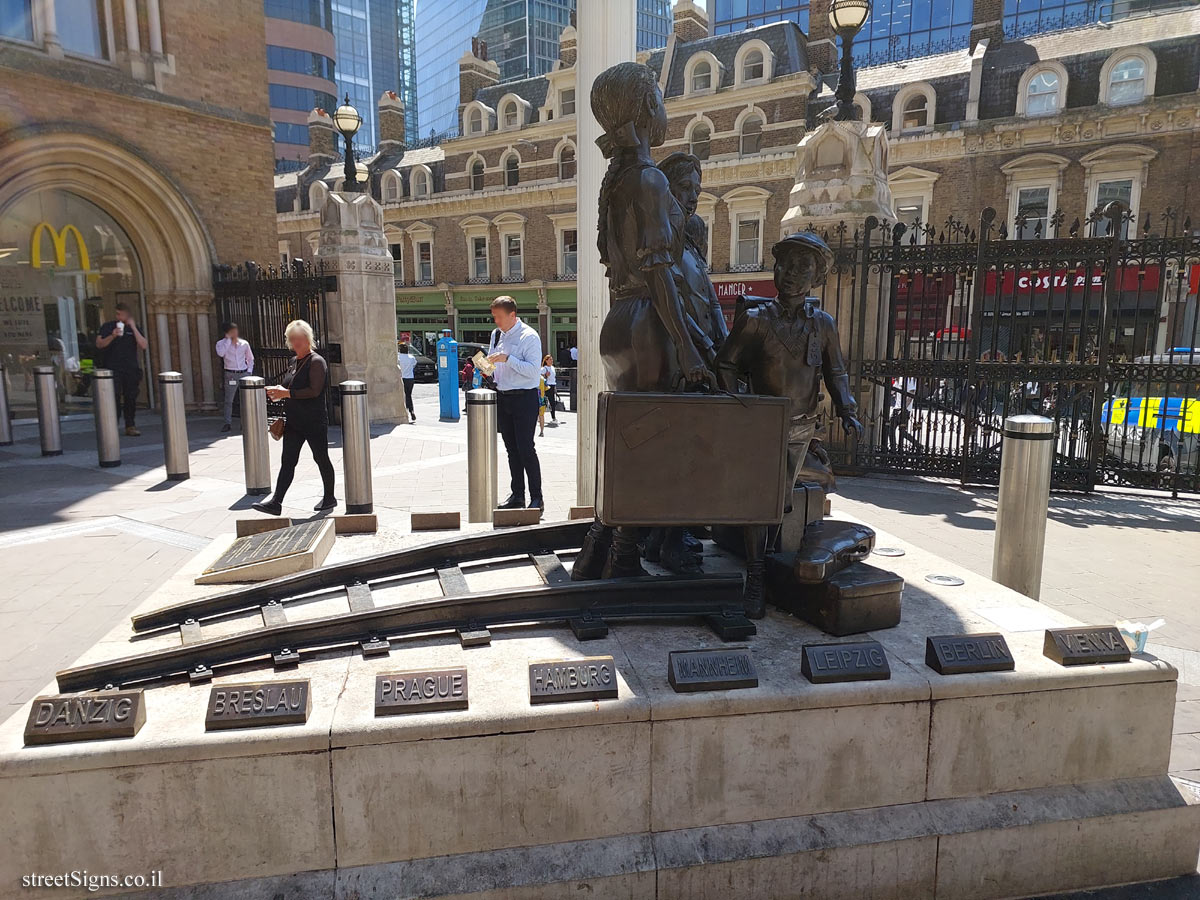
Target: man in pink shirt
[{"x": 238, "y": 360}]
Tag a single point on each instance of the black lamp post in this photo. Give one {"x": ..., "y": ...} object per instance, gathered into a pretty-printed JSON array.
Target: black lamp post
[
  {"x": 347, "y": 120},
  {"x": 846, "y": 17}
]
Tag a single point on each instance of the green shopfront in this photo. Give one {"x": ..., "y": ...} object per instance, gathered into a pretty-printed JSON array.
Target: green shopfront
[
  {"x": 420, "y": 319},
  {"x": 472, "y": 309}
]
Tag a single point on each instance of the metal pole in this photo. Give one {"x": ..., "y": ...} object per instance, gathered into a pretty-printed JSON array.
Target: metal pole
[
  {"x": 356, "y": 447},
  {"x": 104, "y": 407},
  {"x": 1025, "y": 464},
  {"x": 46, "y": 390},
  {"x": 255, "y": 459},
  {"x": 481, "y": 455},
  {"x": 175, "y": 439},
  {"x": 6, "y": 436}
]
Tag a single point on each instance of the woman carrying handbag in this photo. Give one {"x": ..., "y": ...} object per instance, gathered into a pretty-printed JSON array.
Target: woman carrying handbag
[{"x": 302, "y": 390}]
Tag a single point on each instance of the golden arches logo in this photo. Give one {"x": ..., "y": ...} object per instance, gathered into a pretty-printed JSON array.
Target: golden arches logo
[{"x": 59, "y": 240}]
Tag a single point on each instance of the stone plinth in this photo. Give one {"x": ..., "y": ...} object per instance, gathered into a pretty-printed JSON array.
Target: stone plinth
[
  {"x": 991, "y": 785},
  {"x": 841, "y": 176}
]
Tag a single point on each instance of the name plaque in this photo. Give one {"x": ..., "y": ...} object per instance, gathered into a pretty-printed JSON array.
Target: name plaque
[
  {"x": 1087, "y": 645},
  {"x": 424, "y": 691},
  {"x": 60, "y": 718},
  {"x": 857, "y": 661},
  {"x": 710, "y": 670},
  {"x": 561, "y": 680},
  {"x": 958, "y": 654},
  {"x": 256, "y": 704}
]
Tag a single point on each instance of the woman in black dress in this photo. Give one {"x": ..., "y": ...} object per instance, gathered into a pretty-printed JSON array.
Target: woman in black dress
[{"x": 303, "y": 393}]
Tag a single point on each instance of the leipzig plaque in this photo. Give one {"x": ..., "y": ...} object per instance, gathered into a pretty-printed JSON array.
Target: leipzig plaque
[
  {"x": 253, "y": 705},
  {"x": 1088, "y": 645},
  {"x": 857, "y": 661},
  {"x": 423, "y": 691},
  {"x": 59, "y": 718},
  {"x": 958, "y": 654},
  {"x": 710, "y": 670},
  {"x": 561, "y": 680}
]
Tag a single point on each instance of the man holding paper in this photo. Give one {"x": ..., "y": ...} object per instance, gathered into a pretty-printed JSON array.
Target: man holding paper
[{"x": 515, "y": 350}]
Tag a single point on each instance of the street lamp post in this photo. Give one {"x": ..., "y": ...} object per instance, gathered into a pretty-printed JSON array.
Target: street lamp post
[
  {"x": 846, "y": 17},
  {"x": 347, "y": 120}
]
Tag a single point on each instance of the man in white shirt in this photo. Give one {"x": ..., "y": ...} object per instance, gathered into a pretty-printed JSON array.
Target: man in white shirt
[
  {"x": 516, "y": 351},
  {"x": 408, "y": 374},
  {"x": 238, "y": 360},
  {"x": 574, "y": 354}
]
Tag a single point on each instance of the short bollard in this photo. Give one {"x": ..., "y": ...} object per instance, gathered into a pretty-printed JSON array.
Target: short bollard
[
  {"x": 104, "y": 408},
  {"x": 255, "y": 458},
  {"x": 46, "y": 390},
  {"x": 6, "y": 437},
  {"x": 356, "y": 447},
  {"x": 481, "y": 454},
  {"x": 1024, "y": 501},
  {"x": 174, "y": 425}
]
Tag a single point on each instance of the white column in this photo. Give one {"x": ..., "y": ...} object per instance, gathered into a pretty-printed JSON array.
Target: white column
[
  {"x": 133, "y": 39},
  {"x": 49, "y": 19},
  {"x": 184, "y": 331},
  {"x": 608, "y": 36},
  {"x": 154, "y": 24},
  {"x": 163, "y": 327},
  {"x": 204, "y": 339}
]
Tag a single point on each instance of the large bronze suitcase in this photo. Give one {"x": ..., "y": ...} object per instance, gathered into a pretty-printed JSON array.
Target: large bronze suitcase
[{"x": 690, "y": 459}]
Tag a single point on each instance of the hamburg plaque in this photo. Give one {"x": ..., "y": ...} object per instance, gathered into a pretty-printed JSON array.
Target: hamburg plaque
[
  {"x": 710, "y": 670},
  {"x": 857, "y": 661},
  {"x": 253, "y": 705},
  {"x": 1088, "y": 645},
  {"x": 424, "y": 691},
  {"x": 59, "y": 718},
  {"x": 560, "y": 680},
  {"x": 957, "y": 654}
]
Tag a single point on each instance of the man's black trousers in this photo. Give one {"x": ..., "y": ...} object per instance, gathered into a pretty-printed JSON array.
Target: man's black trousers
[{"x": 516, "y": 419}]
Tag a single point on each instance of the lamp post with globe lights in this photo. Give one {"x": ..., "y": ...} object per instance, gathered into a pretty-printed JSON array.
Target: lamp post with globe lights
[
  {"x": 347, "y": 120},
  {"x": 847, "y": 17}
]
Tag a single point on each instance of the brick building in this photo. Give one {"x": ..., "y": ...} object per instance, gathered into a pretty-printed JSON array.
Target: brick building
[
  {"x": 135, "y": 148},
  {"x": 1045, "y": 127}
]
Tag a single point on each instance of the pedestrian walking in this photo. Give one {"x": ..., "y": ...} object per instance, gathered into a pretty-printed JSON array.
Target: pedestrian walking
[
  {"x": 549, "y": 379},
  {"x": 302, "y": 390},
  {"x": 122, "y": 342},
  {"x": 515, "y": 349},
  {"x": 238, "y": 361},
  {"x": 407, "y": 362},
  {"x": 541, "y": 407}
]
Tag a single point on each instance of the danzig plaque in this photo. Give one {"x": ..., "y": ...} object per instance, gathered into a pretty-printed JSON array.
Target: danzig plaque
[
  {"x": 1086, "y": 645},
  {"x": 857, "y": 661},
  {"x": 256, "y": 704},
  {"x": 710, "y": 670},
  {"x": 957, "y": 654},
  {"x": 423, "y": 691},
  {"x": 60, "y": 718},
  {"x": 558, "y": 680},
  {"x": 272, "y": 554}
]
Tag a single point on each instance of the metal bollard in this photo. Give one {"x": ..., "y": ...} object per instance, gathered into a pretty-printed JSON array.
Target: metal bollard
[
  {"x": 174, "y": 425},
  {"x": 356, "y": 447},
  {"x": 255, "y": 458},
  {"x": 6, "y": 437},
  {"x": 481, "y": 454},
  {"x": 1025, "y": 463},
  {"x": 46, "y": 390},
  {"x": 104, "y": 407}
]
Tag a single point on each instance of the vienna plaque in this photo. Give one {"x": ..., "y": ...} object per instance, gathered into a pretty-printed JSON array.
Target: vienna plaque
[
  {"x": 60, "y": 718},
  {"x": 857, "y": 661},
  {"x": 253, "y": 705},
  {"x": 1087, "y": 645},
  {"x": 957, "y": 654},
  {"x": 272, "y": 554},
  {"x": 559, "y": 680},
  {"x": 424, "y": 691},
  {"x": 710, "y": 670}
]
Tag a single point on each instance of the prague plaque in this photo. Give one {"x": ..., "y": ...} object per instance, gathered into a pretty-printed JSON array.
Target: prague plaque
[
  {"x": 560, "y": 680},
  {"x": 60, "y": 718},
  {"x": 257, "y": 704},
  {"x": 425, "y": 691}
]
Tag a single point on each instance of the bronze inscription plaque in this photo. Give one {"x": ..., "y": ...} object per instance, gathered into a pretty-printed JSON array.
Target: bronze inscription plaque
[
  {"x": 1087, "y": 645},
  {"x": 255, "y": 704},
  {"x": 559, "y": 680},
  {"x": 958, "y": 654},
  {"x": 423, "y": 691},
  {"x": 59, "y": 718},
  {"x": 270, "y": 545},
  {"x": 857, "y": 661},
  {"x": 710, "y": 670}
]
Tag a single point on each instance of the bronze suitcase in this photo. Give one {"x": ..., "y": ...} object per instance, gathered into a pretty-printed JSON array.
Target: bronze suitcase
[
  {"x": 856, "y": 599},
  {"x": 690, "y": 459}
]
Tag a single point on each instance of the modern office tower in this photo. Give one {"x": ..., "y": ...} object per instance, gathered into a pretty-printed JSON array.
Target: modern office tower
[{"x": 300, "y": 72}]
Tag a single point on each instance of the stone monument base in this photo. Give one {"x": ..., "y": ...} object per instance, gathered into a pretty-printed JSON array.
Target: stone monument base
[{"x": 987, "y": 785}]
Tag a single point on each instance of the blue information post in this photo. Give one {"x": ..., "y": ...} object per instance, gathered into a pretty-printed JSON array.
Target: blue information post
[{"x": 447, "y": 363}]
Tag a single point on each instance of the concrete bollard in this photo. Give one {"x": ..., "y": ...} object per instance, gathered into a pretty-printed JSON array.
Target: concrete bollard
[
  {"x": 481, "y": 454},
  {"x": 46, "y": 390},
  {"x": 1026, "y": 459},
  {"x": 174, "y": 425},
  {"x": 104, "y": 408},
  {"x": 356, "y": 447}
]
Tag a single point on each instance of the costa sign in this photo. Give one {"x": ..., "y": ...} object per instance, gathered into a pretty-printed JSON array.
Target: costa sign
[{"x": 1045, "y": 281}]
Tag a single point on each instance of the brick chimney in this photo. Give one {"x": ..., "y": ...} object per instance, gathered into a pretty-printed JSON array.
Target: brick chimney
[
  {"x": 987, "y": 21},
  {"x": 475, "y": 72},
  {"x": 822, "y": 42},
  {"x": 567, "y": 47},
  {"x": 322, "y": 142},
  {"x": 691, "y": 21},
  {"x": 391, "y": 122}
]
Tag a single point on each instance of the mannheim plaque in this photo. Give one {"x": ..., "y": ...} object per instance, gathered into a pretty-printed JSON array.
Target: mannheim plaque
[{"x": 711, "y": 670}]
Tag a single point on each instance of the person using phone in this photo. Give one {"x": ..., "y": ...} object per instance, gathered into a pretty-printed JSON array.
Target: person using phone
[{"x": 122, "y": 343}]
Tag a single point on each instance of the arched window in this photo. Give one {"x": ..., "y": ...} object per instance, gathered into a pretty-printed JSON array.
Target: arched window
[
  {"x": 700, "y": 141},
  {"x": 317, "y": 193},
  {"x": 916, "y": 112},
  {"x": 751, "y": 135},
  {"x": 566, "y": 163},
  {"x": 512, "y": 171},
  {"x": 752, "y": 66},
  {"x": 391, "y": 188},
  {"x": 477, "y": 175},
  {"x": 702, "y": 76},
  {"x": 1041, "y": 95},
  {"x": 420, "y": 183},
  {"x": 475, "y": 121},
  {"x": 1127, "y": 82},
  {"x": 511, "y": 116}
]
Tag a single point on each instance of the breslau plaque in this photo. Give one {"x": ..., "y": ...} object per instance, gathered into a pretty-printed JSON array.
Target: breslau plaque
[
  {"x": 711, "y": 670},
  {"x": 270, "y": 545},
  {"x": 423, "y": 691},
  {"x": 857, "y": 661},
  {"x": 256, "y": 704},
  {"x": 958, "y": 654},
  {"x": 560, "y": 680},
  {"x": 59, "y": 718},
  {"x": 1087, "y": 645}
]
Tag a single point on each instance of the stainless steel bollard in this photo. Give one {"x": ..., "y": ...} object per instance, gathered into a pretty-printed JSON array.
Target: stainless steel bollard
[
  {"x": 1025, "y": 463},
  {"x": 104, "y": 407},
  {"x": 6, "y": 437},
  {"x": 45, "y": 386},
  {"x": 481, "y": 454},
  {"x": 255, "y": 458},
  {"x": 174, "y": 425},
  {"x": 356, "y": 447}
]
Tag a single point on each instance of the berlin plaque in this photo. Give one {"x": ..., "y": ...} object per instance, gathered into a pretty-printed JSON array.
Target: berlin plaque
[
  {"x": 710, "y": 670},
  {"x": 256, "y": 704},
  {"x": 424, "y": 691},
  {"x": 857, "y": 661},
  {"x": 60, "y": 718},
  {"x": 958, "y": 654},
  {"x": 559, "y": 680},
  {"x": 272, "y": 554},
  {"x": 1087, "y": 645}
]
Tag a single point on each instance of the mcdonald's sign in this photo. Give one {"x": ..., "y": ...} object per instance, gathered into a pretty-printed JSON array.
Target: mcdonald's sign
[{"x": 59, "y": 240}]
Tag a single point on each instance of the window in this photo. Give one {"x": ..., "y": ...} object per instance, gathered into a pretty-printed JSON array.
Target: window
[
  {"x": 512, "y": 171},
  {"x": 751, "y": 135},
  {"x": 911, "y": 211},
  {"x": 1127, "y": 83},
  {"x": 570, "y": 252},
  {"x": 317, "y": 193},
  {"x": 702, "y": 76},
  {"x": 513, "y": 267},
  {"x": 479, "y": 259},
  {"x": 566, "y": 102},
  {"x": 700, "y": 141},
  {"x": 287, "y": 59},
  {"x": 425, "y": 262},
  {"x": 1041, "y": 96},
  {"x": 475, "y": 121},
  {"x": 916, "y": 113},
  {"x": 566, "y": 163},
  {"x": 391, "y": 188},
  {"x": 420, "y": 183},
  {"x": 397, "y": 263},
  {"x": 1106, "y": 192},
  {"x": 1033, "y": 207},
  {"x": 752, "y": 66},
  {"x": 16, "y": 20},
  {"x": 81, "y": 27},
  {"x": 747, "y": 241},
  {"x": 510, "y": 115},
  {"x": 477, "y": 175},
  {"x": 284, "y": 96}
]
